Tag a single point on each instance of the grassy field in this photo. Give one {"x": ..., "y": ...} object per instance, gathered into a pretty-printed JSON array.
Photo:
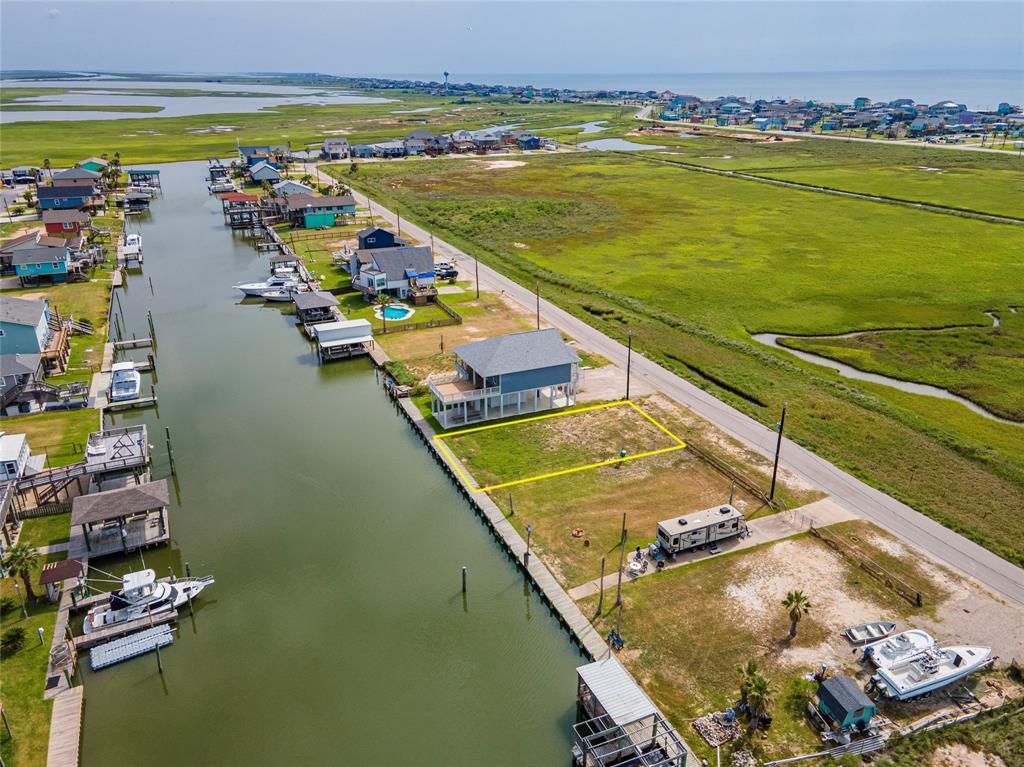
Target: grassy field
[
  {"x": 59, "y": 434},
  {"x": 979, "y": 181},
  {"x": 693, "y": 264},
  {"x": 983, "y": 364},
  {"x": 23, "y": 676},
  {"x": 167, "y": 139}
]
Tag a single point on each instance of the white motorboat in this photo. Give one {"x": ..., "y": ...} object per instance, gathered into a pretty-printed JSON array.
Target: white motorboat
[
  {"x": 222, "y": 186},
  {"x": 286, "y": 293},
  {"x": 277, "y": 282},
  {"x": 899, "y": 648},
  {"x": 869, "y": 632},
  {"x": 141, "y": 596},
  {"x": 928, "y": 671},
  {"x": 125, "y": 382},
  {"x": 132, "y": 244}
]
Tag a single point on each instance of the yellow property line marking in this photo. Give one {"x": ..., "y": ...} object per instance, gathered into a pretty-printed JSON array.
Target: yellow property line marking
[{"x": 443, "y": 448}]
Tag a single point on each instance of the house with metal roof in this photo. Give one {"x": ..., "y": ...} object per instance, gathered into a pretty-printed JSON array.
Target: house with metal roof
[
  {"x": 617, "y": 724},
  {"x": 310, "y": 212},
  {"x": 844, "y": 705},
  {"x": 67, "y": 197},
  {"x": 65, "y": 221},
  {"x": 264, "y": 171},
  {"x": 507, "y": 375}
]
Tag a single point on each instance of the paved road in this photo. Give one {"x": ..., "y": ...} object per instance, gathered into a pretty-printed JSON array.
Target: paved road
[{"x": 849, "y": 492}]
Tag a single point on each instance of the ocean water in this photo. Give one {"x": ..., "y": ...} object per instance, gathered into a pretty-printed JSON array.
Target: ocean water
[{"x": 979, "y": 89}]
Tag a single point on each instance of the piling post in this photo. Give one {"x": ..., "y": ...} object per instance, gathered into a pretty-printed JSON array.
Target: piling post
[
  {"x": 464, "y": 571},
  {"x": 170, "y": 451},
  {"x": 151, "y": 291},
  {"x": 159, "y": 663},
  {"x": 511, "y": 506},
  {"x": 188, "y": 570}
]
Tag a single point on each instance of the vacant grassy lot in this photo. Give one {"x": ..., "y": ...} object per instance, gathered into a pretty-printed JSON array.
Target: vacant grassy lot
[
  {"x": 518, "y": 450},
  {"x": 978, "y": 181},
  {"x": 983, "y": 364},
  {"x": 46, "y": 531},
  {"x": 692, "y": 264},
  {"x": 59, "y": 434}
]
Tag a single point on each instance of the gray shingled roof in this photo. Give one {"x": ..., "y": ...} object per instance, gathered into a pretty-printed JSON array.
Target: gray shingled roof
[
  {"x": 516, "y": 352},
  {"x": 21, "y": 311},
  {"x": 395, "y": 261},
  {"x": 112, "y": 504},
  {"x": 314, "y": 299},
  {"x": 18, "y": 364},
  {"x": 74, "y": 173},
  {"x": 842, "y": 695},
  {"x": 301, "y": 201},
  {"x": 65, "y": 216}
]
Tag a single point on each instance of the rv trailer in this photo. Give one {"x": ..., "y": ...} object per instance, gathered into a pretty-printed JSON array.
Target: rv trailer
[{"x": 702, "y": 527}]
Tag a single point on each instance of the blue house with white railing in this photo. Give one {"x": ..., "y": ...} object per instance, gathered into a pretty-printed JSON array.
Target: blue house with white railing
[{"x": 504, "y": 376}]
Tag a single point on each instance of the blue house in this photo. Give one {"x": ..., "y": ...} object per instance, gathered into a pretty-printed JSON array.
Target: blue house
[
  {"x": 504, "y": 376},
  {"x": 528, "y": 142},
  {"x": 49, "y": 258},
  {"x": 25, "y": 326},
  {"x": 264, "y": 171},
  {"x": 377, "y": 237},
  {"x": 65, "y": 197}
]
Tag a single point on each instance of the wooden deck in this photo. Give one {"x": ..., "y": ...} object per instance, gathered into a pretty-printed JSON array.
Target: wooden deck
[
  {"x": 66, "y": 728},
  {"x": 142, "y": 533},
  {"x": 87, "y": 641}
]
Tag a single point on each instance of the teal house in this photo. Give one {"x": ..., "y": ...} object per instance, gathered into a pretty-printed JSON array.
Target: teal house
[
  {"x": 25, "y": 326},
  {"x": 309, "y": 212},
  {"x": 844, "y": 705}
]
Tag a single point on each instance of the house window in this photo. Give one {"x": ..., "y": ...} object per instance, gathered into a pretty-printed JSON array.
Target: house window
[{"x": 68, "y": 226}]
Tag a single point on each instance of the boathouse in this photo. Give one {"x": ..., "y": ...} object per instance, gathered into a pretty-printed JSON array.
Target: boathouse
[
  {"x": 617, "y": 724},
  {"x": 346, "y": 338},
  {"x": 316, "y": 306},
  {"x": 122, "y": 520},
  {"x": 144, "y": 177},
  {"x": 507, "y": 375}
]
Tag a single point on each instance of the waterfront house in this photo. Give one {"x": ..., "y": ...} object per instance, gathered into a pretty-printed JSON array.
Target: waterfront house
[
  {"x": 373, "y": 237},
  {"x": 66, "y": 197},
  {"x": 415, "y": 147},
  {"x": 843, "y": 704},
  {"x": 506, "y": 375},
  {"x": 77, "y": 177},
  {"x": 36, "y": 255},
  {"x": 95, "y": 164},
  {"x": 264, "y": 171},
  {"x": 335, "y": 149},
  {"x": 311, "y": 212},
  {"x": 289, "y": 186},
  {"x": 362, "y": 151},
  {"x": 316, "y": 306},
  {"x": 405, "y": 271},
  {"x": 16, "y": 459},
  {"x": 65, "y": 221},
  {"x": 389, "y": 149},
  {"x": 24, "y": 325}
]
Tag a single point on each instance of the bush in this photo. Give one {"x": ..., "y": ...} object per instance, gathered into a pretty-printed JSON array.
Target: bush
[
  {"x": 12, "y": 641},
  {"x": 7, "y": 604}
]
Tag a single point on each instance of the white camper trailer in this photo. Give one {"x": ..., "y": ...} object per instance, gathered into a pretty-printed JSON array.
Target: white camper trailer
[{"x": 700, "y": 528}]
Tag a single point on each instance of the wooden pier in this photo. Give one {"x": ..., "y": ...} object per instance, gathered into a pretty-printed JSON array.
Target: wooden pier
[
  {"x": 131, "y": 404},
  {"x": 129, "y": 647},
  {"x": 133, "y": 343},
  {"x": 66, "y": 728}
]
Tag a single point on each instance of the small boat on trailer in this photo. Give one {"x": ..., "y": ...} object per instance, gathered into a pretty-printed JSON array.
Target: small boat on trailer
[
  {"x": 869, "y": 632},
  {"x": 928, "y": 671}
]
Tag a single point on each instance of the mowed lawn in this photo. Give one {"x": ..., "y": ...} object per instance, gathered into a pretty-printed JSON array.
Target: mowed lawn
[
  {"x": 61, "y": 434},
  {"x": 691, "y": 264}
]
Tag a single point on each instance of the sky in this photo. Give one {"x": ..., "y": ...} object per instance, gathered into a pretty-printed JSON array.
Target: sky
[{"x": 498, "y": 37}]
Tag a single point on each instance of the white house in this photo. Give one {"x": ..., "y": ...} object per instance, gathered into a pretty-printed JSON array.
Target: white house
[
  {"x": 16, "y": 458},
  {"x": 335, "y": 149},
  {"x": 288, "y": 186}
]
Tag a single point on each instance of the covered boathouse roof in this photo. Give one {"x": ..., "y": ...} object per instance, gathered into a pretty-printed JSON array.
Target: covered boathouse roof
[
  {"x": 114, "y": 504},
  {"x": 516, "y": 352}
]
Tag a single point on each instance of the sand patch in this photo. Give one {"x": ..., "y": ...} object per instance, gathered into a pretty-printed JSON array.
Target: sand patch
[
  {"x": 928, "y": 169},
  {"x": 503, "y": 164},
  {"x": 959, "y": 755},
  {"x": 520, "y": 245}
]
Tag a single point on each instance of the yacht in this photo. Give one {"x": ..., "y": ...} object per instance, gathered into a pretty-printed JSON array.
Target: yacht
[
  {"x": 133, "y": 244},
  {"x": 899, "y": 648},
  {"x": 928, "y": 671},
  {"x": 287, "y": 293},
  {"x": 277, "y": 282},
  {"x": 125, "y": 382},
  {"x": 141, "y": 596}
]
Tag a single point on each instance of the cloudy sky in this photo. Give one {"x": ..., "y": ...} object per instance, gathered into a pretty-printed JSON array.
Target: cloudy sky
[{"x": 498, "y": 37}]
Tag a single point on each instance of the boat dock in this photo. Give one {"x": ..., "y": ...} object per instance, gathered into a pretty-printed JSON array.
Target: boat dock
[
  {"x": 89, "y": 641},
  {"x": 66, "y": 728},
  {"x": 131, "y": 646}
]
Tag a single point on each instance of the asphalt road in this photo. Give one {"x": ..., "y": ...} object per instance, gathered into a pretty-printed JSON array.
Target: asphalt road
[{"x": 998, "y": 575}]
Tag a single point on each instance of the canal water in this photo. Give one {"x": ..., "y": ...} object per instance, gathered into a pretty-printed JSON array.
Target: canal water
[{"x": 336, "y": 632}]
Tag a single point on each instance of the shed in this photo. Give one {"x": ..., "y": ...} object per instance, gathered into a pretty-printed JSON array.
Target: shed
[
  {"x": 54, "y": 575},
  {"x": 844, "y": 704}
]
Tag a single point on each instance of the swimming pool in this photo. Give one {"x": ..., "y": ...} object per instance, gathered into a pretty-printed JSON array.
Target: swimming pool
[{"x": 393, "y": 312}]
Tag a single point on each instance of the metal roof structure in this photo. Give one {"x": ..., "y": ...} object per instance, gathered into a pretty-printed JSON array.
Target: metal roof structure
[
  {"x": 397, "y": 262},
  {"x": 113, "y": 504},
  {"x": 23, "y": 311},
  {"x": 617, "y": 692},
  {"x": 515, "y": 352},
  {"x": 842, "y": 695},
  {"x": 314, "y": 299}
]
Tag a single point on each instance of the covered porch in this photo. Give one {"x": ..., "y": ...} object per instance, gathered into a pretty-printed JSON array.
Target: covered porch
[
  {"x": 458, "y": 402},
  {"x": 119, "y": 521}
]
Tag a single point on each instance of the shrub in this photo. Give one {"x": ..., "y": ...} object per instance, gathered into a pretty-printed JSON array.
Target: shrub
[
  {"x": 7, "y": 604},
  {"x": 13, "y": 640}
]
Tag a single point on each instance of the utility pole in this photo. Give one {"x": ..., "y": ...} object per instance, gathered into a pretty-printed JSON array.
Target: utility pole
[
  {"x": 778, "y": 449},
  {"x": 538, "y": 305},
  {"x": 476, "y": 279},
  {"x": 629, "y": 362}
]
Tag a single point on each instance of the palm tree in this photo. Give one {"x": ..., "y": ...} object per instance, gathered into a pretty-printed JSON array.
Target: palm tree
[
  {"x": 746, "y": 672},
  {"x": 48, "y": 168},
  {"x": 760, "y": 698},
  {"x": 307, "y": 179},
  {"x": 382, "y": 300},
  {"x": 20, "y": 560},
  {"x": 798, "y": 606}
]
